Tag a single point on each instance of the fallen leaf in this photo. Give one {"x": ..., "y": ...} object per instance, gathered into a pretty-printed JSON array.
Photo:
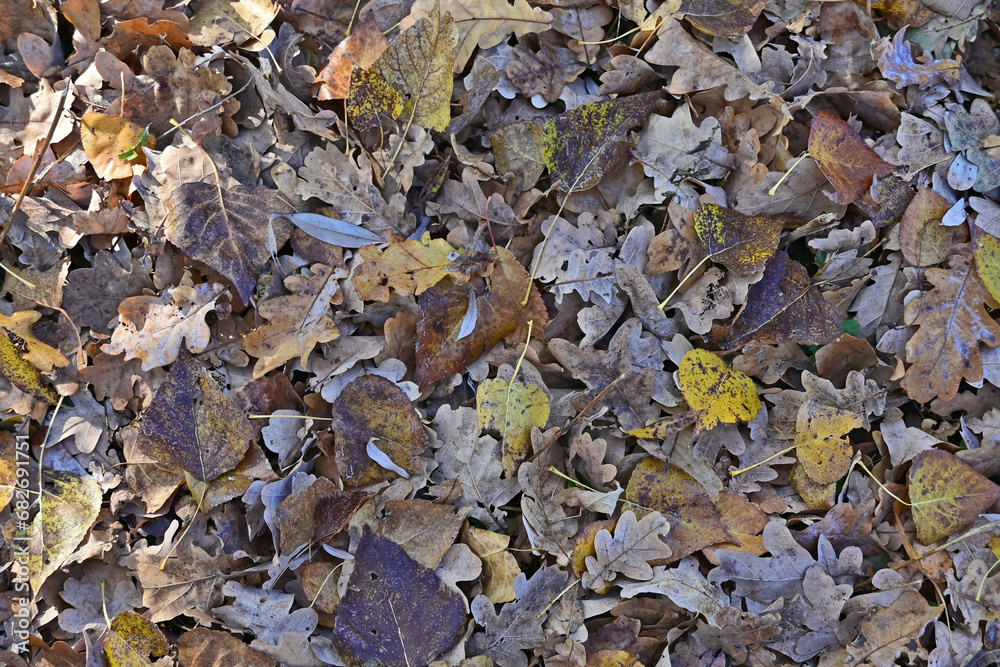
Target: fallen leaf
[
  {"x": 743, "y": 243},
  {"x": 628, "y": 551},
  {"x": 583, "y": 144},
  {"x": 19, "y": 372},
  {"x": 395, "y": 610},
  {"x": 221, "y": 22},
  {"x": 695, "y": 523},
  {"x": 361, "y": 48},
  {"x": 512, "y": 408},
  {"x": 226, "y": 227},
  {"x": 947, "y": 495},
  {"x": 424, "y": 529},
  {"x": 922, "y": 238},
  {"x": 372, "y": 408},
  {"x": 844, "y": 158},
  {"x": 723, "y": 18},
  {"x": 987, "y": 260},
  {"x": 952, "y": 323},
  {"x": 408, "y": 267},
  {"x": 202, "y": 647},
  {"x": 371, "y": 99},
  {"x": 784, "y": 307},
  {"x": 267, "y": 614},
  {"x": 718, "y": 393},
  {"x": 132, "y": 639},
  {"x": 43, "y": 357},
  {"x": 108, "y": 141},
  {"x": 69, "y": 507},
  {"x": 418, "y": 64},
  {"x": 298, "y": 321},
  {"x": 193, "y": 425},
  {"x": 891, "y": 630}
]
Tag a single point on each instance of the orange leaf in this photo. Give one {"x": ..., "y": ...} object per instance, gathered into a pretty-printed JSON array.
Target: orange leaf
[{"x": 844, "y": 158}]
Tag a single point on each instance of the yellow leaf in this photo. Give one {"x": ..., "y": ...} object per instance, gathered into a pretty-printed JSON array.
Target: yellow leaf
[
  {"x": 947, "y": 494},
  {"x": 409, "y": 267},
  {"x": 105, "y": 138},
  {"x": 717, "y": 392},
  {"x": 132, "y": 639},
  {"x": 988, "y": 260},
  {"x": 485, "y": 23},
  {"x": 512, "y": 409},
  {"x": 41, "y": 356},
  {"x": 69, "y": 507},
  {"x": 23, "y": 375},
  {"x": 369, "y": 98},
  {"x": 823, "y": 449},
  {"x": 419, "y": 66}
]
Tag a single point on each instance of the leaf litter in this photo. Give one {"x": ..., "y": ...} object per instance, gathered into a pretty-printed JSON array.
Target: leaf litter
[{"x": 513, "y": 333}]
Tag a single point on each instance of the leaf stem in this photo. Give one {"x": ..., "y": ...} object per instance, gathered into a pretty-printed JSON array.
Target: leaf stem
[{"x": 681, "y": 283}]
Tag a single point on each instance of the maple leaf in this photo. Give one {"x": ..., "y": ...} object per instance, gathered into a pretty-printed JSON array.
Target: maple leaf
[
  {"x": 952, "y": 323},
  {"x": 298, "y": 321},
  {"x": 634, "y": 543}
]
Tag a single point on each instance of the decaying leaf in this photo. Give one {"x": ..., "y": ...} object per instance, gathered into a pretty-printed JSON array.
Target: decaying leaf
[
  {"x": 743, "y": 243},
  {"x": 408, "y": 267},
  {"x": 372, "y": 409},
  {"x": 418, "y": 65},
  {"x": 112, "y": 143},
  {"x": 193, "y": 424},
  {"x": 952, "y": 323},
  {"x": 628, "y": 551},
  {"x": 946, "y": 495},
  {"x": 68, "y": 509},
  {"x": 844, "y": 157},
  {"x": 395, "y": 610},
  {"x": 512, "y": 408}
]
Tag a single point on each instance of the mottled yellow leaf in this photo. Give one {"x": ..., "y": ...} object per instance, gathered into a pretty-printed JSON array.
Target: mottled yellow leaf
[
  {"x": 744, "y": 243},
  {"x": 21, "y": 374},
  {"x": 823, "y": 449},
  {"x": 38, "y": 354},
  {"x": 69, "y": 507},
  {"x": 946, "y": 494},
  {"x": 132, "y": 639},
  {"x": 719, "y": 393},
  {"x": 409, "y": 267},
  {"x": 106, "y": 138},
  {"x": 988, "y": 260},
  {"x": 419, "y": 66},
  {"x": 369, "y": 98},
  {"x": 512, "y": 408}
]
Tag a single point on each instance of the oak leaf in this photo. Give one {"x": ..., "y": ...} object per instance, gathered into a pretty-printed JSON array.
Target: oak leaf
[
  {"x": 298, "y": 321},
  {"x": 952, "y": 321},
  {"x": 418, "y": 64},
  {"x": 268, "y": 614},
  {"x": 408, "y": 267},
  {"x": 190, "y": 583},
  {"x": 634, "y": 543},
  {"x": 891, "y": 630},
  {"x": 221, "y": 22},
  {"x": 722, "y": 18},
  {"x": 695, "y": 523},
  {"x": 153, "y": 328},
  {"x": 947, "y": 494}
]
